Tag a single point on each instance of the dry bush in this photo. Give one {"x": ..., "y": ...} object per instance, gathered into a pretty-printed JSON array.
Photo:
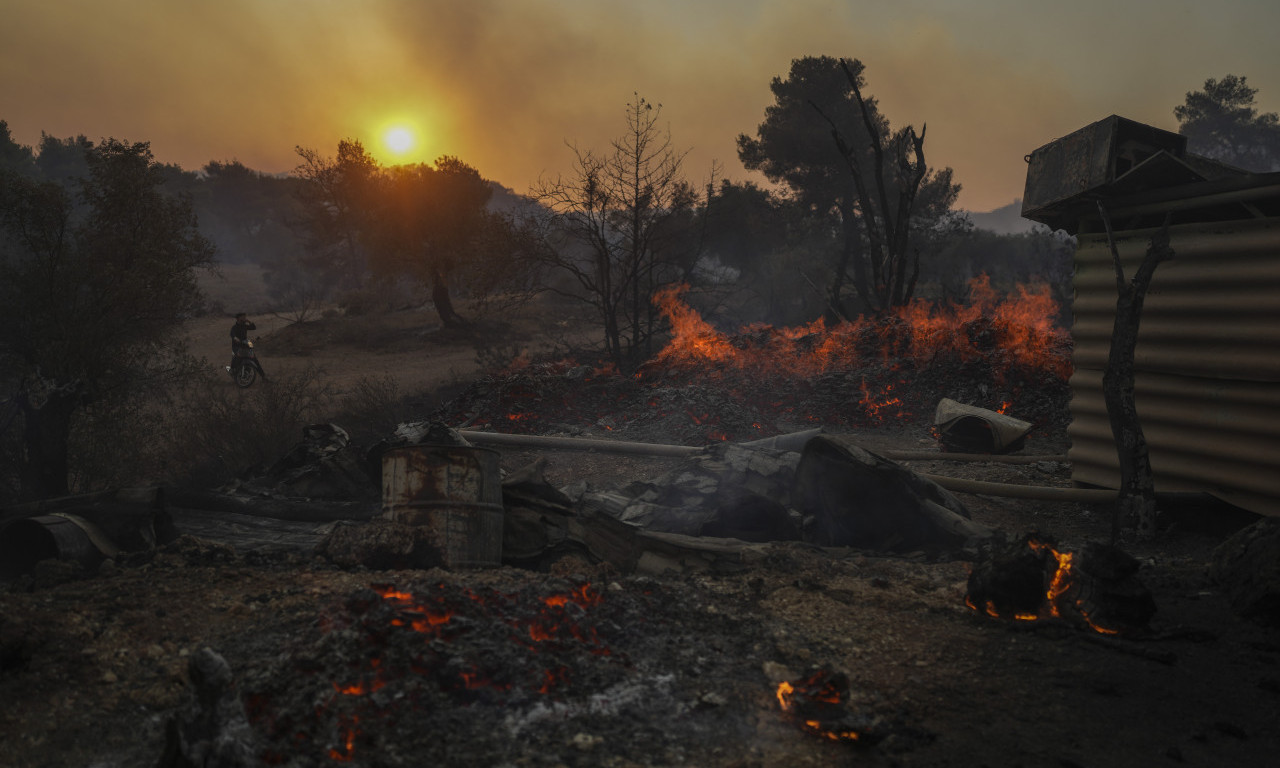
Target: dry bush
[
  {"x": 373, "y": 409},
  {"x": 113, "y": 438},
  {"x": 109, "y": 442},
  {"x": 214, "y": 432}
]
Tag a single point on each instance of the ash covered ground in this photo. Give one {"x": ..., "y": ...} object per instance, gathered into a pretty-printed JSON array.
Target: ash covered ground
[
  {"x": 585, "y": 666},
  {"x": 640, "y": 671}
]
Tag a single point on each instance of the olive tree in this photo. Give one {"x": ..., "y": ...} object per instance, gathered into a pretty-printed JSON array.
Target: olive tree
[
  {"x": 96, "y": 274},
  {"x": 427, "y": 221}
]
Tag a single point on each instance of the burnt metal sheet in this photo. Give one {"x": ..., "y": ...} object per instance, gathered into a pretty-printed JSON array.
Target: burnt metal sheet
[{"x": 1207, "y": 361}]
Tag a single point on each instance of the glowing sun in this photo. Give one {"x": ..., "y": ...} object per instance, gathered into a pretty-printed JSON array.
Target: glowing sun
[{"x": 398, "y": 140}]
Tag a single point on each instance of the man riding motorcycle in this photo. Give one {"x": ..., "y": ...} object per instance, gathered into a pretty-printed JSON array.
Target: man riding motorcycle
[{"x": 240, "y": 345}]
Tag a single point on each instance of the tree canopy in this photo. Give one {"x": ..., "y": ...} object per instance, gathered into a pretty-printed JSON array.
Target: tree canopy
[
  {"x": 335, "y": 199},
  {"x": 1222, "y": 122},
  {"x": 836, "y": 152},
  {"x": 96, "y": 272},
  {"x": 425, "y": 220}
]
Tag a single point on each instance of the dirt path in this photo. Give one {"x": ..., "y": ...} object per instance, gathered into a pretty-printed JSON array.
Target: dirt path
[
  {"x": 425, "y": 365},
  {"x": 408, "y": 346}
]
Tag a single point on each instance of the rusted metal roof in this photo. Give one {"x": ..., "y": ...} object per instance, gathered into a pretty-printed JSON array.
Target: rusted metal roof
[{"x": 1087, "y": 160}]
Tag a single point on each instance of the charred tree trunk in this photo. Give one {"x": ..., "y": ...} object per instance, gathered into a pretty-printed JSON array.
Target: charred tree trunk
[
  {"x": 46, "y": 427},
  {"x": 887, "y": 227},
  {"x": 1137, "y": 500},
  {"x": 449, "y": 317},
  {"x": 850, "y": 255}
]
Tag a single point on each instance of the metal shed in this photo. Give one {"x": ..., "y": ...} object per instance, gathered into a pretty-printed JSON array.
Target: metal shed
[{"x": 1207, "y": 364}]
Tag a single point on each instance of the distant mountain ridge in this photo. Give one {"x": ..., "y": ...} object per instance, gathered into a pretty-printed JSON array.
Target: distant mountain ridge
[{"x": 1006, "y": 220}]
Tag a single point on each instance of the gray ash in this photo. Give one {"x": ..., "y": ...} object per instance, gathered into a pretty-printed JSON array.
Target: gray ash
[{"x": 433, "y": 672}]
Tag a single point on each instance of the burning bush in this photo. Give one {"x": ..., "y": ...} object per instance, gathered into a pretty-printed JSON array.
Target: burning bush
[{"x": 707, "y": 385}]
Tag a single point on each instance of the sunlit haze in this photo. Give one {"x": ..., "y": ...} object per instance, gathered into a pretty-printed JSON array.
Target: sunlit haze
[
  {"x": 398, "y": 140},
  {"x": 508, "y": 85}
]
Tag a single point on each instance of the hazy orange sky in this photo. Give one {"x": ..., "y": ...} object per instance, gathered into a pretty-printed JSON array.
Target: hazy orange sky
[{"x": 504, "y": 84}]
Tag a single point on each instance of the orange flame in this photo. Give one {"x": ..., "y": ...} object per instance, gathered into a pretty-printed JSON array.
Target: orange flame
[
  {"x": 349, "y": 733},
  {"x": 1022, "y": 324},
  {"x": 786, "y": 699},
  {"x": 1055, "y": 594}
]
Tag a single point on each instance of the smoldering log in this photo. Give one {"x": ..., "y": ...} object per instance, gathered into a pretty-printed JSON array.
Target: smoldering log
[
  {"x": 280, "y": 508},
  {"x": 1031, "y": 578},
  {"x": 212, "y": 729}
]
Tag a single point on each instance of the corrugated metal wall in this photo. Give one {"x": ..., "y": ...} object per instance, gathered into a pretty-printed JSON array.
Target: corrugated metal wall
[{"x": 1207, "y": 361}]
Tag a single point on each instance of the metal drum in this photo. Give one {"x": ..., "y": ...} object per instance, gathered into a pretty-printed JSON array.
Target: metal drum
[
  {"x": 25, "y": 542},
  {"x": 455, "y": 492}
]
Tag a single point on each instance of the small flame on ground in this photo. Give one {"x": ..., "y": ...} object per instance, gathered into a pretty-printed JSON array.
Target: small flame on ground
[{"x": 816, "y": 687}]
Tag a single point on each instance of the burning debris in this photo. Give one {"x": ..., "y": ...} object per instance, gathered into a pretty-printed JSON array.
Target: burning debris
[
  {"x": 1021, "y": 327},
  {"x": 820, "y": 702},
  {"x": 1030, "y": 579}
]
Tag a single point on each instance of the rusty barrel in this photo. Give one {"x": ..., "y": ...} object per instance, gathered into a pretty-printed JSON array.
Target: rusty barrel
[
  {"x": 25, "y": 542},
  {"x": 455, "y": 492}
]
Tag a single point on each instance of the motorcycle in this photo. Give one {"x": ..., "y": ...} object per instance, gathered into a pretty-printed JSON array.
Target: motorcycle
[{"x": 245, "y": 369}]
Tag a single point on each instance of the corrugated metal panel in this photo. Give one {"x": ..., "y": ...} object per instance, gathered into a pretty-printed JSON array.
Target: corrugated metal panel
[{"x": 1208, "y": 361}]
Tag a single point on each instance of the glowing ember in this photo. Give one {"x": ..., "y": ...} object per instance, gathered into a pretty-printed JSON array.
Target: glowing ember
[
  {"x": 878, "y": 406},
  {"x": 818, "y": 702},
  {"x": 349, "y": 733},
  {"x": 436, "y": 615},
  {"x": 477, "y": 689},
  {"x": 1060, "y": 597}
]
